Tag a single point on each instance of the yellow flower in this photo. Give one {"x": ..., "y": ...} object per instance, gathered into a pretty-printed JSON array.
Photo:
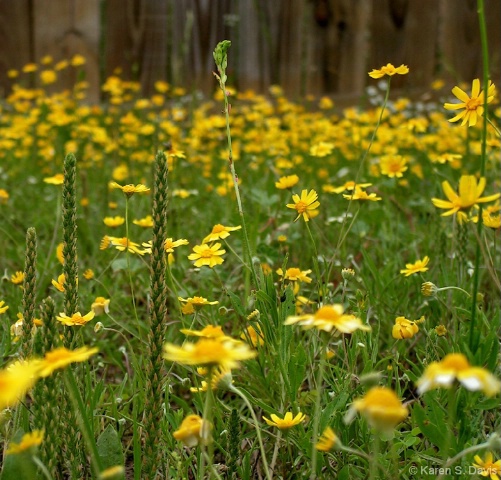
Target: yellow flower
[
  {"x": 328, "y": 440},
  {"x": 381, "y": 408},
  {"x": 295, "y": 275},
  {"x": 390, "y": 70},
  {"x": 29, "y": 440},
  {"x": 416, "y": 267},
  {"x": 455, "y": 366},
  {"x": 219, "y": 232},
  {"x": 469, "y": 194},
  {"x": 59, "y": 253},
  {"x": 170, "y": 245},
  {"x": 113, "y": 221},
  {"x": 327, "y": 318},
  {"x": 210, "y": 352},
  {"x": 488, "y": 468},
  {"x": 321, "y": 149},
  {"x": 349, "y": 185},
  {"x": 75, "y": 319},
  {"x": 17, "y": 278},
  {"x": 404, "y": 328},
  {"x": 393, "y": 165},
  {"x": 287, "y": 182},
  {"x": 88, "y": 274},
  {"x": 220, "y": 379},
  {"x": 473, "y": 107},
  {"x": 130, "y": 190},
  {"x": 62, "y": 357},
  {"x": 48, "y": 76},
  {"x": 57, "y": 179},
  {"x": 205, "y": 255},
  {"x": 4, "y": 196},
  {"x": 360, "y": 194},
  {"x": 194, "y": 303},
  {"x": 16, "y": 380},
  {"x": 59, "y": 283},
  {"x": 210, "y": 331},
  {"x": 190, "y": 431},
  {"x": 429, "y": 289},
  {"x": 305, "y": 205},
  {"x": 254, "y": 335},
  {"x": 3, "y": 308},
  {"x": 146, "y": 222},
  {"x": 101, "y": 305},
  {"x": 440, "y": 330},
  {"x": 78, "y": 60},
  {"x": 287, "y": 422},
  {"x": 121, "y": 244}
]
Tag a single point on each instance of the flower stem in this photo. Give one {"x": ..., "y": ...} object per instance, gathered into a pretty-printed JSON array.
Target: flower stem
[
  {"x": 316, "y": 413},
  {"x": 127, "y": 257},
  {"x": 81, "y": 416},
  {"x": 256, "y": 426},
  {"x": 473, "y": 338}
]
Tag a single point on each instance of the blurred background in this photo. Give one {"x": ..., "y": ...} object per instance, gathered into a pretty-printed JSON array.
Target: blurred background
[{"x": 319, "y": 47}]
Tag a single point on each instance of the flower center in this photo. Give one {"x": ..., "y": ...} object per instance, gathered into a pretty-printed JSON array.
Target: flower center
[
  {"x": 473, "y": 104},
  {"x": 207, "y": 253},
  {"x": 218, "y": 228},
  {"x": 301, "y": 206}
]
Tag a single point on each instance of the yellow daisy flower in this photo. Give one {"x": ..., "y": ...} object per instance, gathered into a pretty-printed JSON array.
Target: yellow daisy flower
[
  {"x": 285, "y": 423},
  {"x": 219, "y": 232},
  {"x": 389, "y": 70},
  {"x": 62, "y": 357},
  {"x": 473, "y": 106},
  {"x": 306, "y": 205},
  {"x": 205, "y": 255},
  {"x": 418, "y": 266}
]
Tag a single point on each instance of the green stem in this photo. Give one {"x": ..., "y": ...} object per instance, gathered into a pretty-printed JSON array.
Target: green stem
[
  {"x": 374, "y": 461},
  {"x": 206, "y": 428},
  {"x": 42, "y": 467},
  {"x": 83, "y": 421},
  {"x": 234, "y": 177},
  {"x": 473, "y": 338},
  {"x": 127, "y": 257},
  {"x": 316, "y": 414},
  {"x": 256, "y": 426}
]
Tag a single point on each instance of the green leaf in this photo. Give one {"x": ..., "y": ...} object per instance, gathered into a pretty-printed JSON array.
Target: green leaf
[
  {"x": 110, "y": 449},
  {"x": 236, "y": 304}
]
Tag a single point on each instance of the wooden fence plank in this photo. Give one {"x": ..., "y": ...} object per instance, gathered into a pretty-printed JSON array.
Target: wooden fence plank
[
  {"x": 307, "y": 46},
  {"x": 15, "y": 39},
  {"x": 64, "y": 28}
]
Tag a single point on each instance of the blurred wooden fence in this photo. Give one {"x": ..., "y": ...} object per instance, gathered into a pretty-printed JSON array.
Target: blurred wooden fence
[{"x": 307, "y": 46}]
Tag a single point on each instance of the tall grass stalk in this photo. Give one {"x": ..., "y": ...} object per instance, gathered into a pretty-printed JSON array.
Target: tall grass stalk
[
  {"x": 221, "y": 59},
  {"x": 473, "y": 338},
  {"x": 154, "y": 403},
  {"x": 29, "y": 291}
]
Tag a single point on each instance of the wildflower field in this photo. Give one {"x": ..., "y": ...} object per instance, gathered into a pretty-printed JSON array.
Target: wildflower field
[{"x": 248, "y": 286}]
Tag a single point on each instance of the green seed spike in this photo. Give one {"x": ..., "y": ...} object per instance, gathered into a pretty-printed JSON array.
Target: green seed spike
[{"x": 221, "y": 57}]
